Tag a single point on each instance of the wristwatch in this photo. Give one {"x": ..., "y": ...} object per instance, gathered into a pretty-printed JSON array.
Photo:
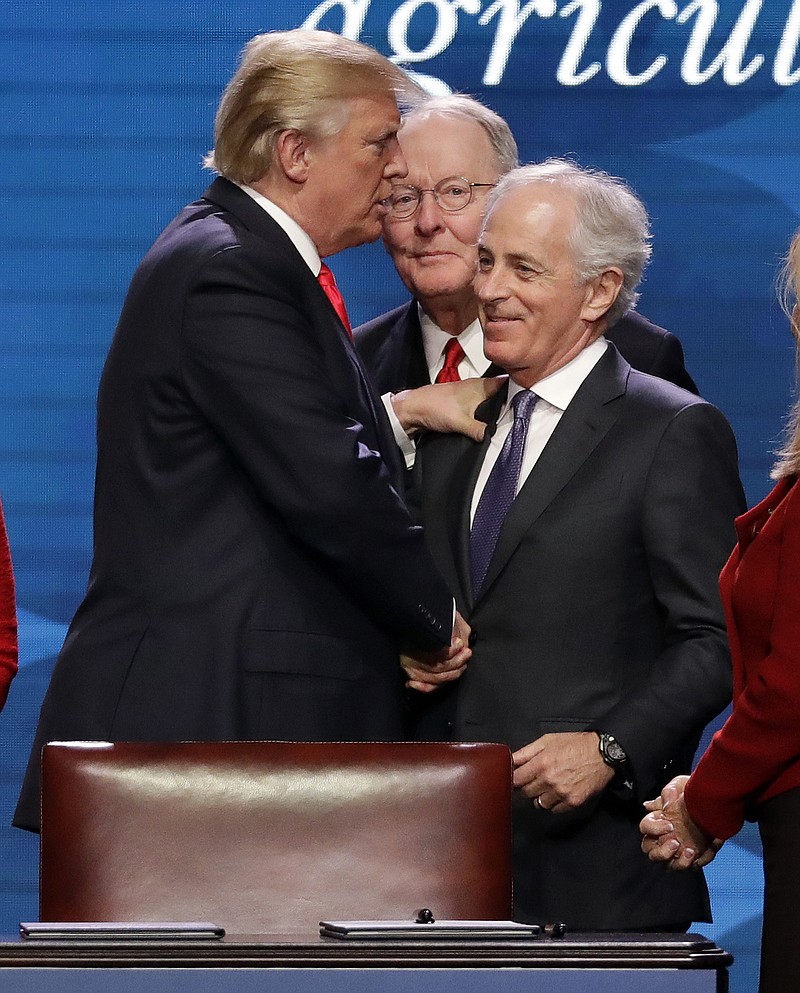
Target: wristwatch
[{"x": 612, "y": 752}]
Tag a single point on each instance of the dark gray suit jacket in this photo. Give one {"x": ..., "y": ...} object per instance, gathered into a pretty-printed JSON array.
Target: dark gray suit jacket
[
  {"x": 600, "y": 611},
  {"x": 391, "y": 348}
]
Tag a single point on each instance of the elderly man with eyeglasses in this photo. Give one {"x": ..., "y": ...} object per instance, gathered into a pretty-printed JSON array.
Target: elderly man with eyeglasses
[{"x": 457, "y": 150}]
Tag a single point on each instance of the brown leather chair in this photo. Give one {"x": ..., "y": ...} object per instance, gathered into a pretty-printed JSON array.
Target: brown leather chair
[{"x": 272, "y": 837}]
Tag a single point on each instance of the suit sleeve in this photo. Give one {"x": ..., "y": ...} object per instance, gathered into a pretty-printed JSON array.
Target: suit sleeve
[
  {"x": 692, "y": 495},
  {"x": 255, "y": 364},
  {"x": 762, "y": 735},
  {"x": 8, "y": 617}
]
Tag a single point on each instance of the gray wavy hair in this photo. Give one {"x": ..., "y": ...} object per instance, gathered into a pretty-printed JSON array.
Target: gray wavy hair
[{"x": 612, "y": 228}]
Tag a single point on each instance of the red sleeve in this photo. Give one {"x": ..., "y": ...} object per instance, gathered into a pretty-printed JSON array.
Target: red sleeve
[
  {"x": 8, "y": 616},
  {"x": 761, "y": 738}
]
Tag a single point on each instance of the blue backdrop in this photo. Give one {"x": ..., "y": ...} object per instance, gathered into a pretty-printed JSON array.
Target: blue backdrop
[{"x": 108, "y": 109}]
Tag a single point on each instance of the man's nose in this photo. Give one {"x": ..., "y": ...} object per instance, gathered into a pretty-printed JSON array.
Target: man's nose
[
  {"x": 429, "y": 214},
  {"x": 396, "y": 167},
  {"x": 489, "y": 285}
]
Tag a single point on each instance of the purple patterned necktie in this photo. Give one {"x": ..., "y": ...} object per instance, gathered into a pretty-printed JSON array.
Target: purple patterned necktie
[{"x": 499, "y": 491}]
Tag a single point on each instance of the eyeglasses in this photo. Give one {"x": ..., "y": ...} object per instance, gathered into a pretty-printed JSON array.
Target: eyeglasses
[{"x": 451, "y": 194}]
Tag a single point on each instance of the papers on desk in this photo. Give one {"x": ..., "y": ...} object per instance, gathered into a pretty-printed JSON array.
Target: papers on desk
[
  {"x": 441, "y": 930},
  {"x": 121, "y": 930}
]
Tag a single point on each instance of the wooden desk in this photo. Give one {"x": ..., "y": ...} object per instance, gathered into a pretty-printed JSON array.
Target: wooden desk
[{"x": 277, "y": 964}]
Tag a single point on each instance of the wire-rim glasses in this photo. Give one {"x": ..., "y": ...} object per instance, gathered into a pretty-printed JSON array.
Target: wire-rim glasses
[{"x": 451, "y": 194}]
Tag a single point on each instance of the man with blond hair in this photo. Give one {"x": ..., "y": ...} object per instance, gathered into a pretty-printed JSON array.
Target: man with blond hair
[{"x": 256, "y": 571}]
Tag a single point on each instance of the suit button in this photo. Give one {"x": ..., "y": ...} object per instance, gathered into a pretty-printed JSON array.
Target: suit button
[{"x": 473, "y": 637}]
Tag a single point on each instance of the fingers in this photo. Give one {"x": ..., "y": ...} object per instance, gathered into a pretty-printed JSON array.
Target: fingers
[
  {"x": 709, "y": 854},
  {"x": 457, "y": 656},
  {"x": 491, "y": 384},
  {"x": 656, "y": 824},
  {"x": 682, "y": 859},
  {"x": 660, "y": 851},
  {"x": 420, "y": 687},
  {"x": 461, "y": 629},
  {"x": 434, "y": 678}
]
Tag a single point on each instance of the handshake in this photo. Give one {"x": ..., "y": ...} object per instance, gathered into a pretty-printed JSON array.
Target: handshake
[
  {"x": 428, "y": 670},
  {"x": 669, "y": 833}
]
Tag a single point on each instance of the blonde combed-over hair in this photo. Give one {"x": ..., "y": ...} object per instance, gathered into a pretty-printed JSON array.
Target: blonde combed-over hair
[{"x": 300, "y": 80}]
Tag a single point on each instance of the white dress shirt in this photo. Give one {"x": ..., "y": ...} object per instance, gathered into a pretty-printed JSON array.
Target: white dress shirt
[
  {"x": 301, "y": 241},
  {"x": 474, "y": 364},
  {"x": 555, "y": 393},
  {"x": 434, "y": 340}
]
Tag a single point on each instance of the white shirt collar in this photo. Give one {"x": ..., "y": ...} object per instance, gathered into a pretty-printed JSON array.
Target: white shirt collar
[
  {"x": 301, "y": 241},
  {"x": 560, "y": 386},
  {"x": 470, "y": 339}
]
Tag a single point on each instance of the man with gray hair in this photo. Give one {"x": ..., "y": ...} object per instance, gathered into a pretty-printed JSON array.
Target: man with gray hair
[
  {"x": 256, "y": 571},
  {"x": 583, "y": 537},
  {"x": 456, "y": 150}
]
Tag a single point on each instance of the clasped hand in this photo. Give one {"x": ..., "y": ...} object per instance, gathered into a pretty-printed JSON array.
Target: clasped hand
[
  {"x": 428, "y": 670},
  {"x": 670, "y": 834}
]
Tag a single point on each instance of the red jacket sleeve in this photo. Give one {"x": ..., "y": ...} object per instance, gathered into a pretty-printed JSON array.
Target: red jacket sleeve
[
  {"x": 760, "y": 741},
  {"x": 8, "y": 616}
]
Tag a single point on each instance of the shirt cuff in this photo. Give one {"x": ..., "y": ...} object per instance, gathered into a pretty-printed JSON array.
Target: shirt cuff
[{"x": 406, "y": 445}]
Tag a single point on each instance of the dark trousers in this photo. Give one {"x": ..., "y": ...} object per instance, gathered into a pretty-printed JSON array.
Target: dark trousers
[{"x": 778, "y": 824}]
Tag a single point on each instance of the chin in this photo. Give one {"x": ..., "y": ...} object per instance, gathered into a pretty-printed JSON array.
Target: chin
[
  {"x": 495, "y": 353},
  {"x": 369, "y": 233},
  {"x": 429, "y": 284}
]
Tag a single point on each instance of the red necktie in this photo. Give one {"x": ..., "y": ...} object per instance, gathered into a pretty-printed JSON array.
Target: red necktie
[
  {"x": 453, "y": 354},
  {"x": 328, "y": 284}
]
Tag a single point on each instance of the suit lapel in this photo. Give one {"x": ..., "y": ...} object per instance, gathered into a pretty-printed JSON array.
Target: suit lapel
[
  {"x": 582, "y": 427},
  {"x": 412, "y": 350},
  {"x": 235, "y": 200},
  {"x": 451, "y": 466}
]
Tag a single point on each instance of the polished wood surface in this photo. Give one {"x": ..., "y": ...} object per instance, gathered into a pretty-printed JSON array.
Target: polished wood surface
[{"x": 584, "y": 951}]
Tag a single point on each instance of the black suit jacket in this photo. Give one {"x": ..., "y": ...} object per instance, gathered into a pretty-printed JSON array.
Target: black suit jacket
[
  {"x": 391, "y": 348},
  {"x": 255, "y": 568},
  {"x": 600, "y": 611}
]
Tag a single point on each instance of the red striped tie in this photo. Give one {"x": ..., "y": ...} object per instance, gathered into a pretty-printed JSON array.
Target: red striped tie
[{"x": 328, "y": 284}]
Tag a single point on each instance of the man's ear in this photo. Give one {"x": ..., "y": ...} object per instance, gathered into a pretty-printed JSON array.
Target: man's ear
[
  {"x": 291, "y": 153},
  {"x": 602, "y": 292}
]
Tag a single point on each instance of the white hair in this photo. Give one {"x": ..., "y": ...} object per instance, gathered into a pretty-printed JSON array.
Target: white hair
[
  {"x": 612, "y": 227},
  {"x": 459, "y": 106}
]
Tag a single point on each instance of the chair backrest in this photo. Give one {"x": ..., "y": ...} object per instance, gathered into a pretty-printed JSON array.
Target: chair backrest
[{"x": 272, "y": 837}]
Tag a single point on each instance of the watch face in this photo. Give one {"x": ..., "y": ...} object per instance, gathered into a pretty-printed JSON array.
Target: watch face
[{"x": 614, "y": 751}]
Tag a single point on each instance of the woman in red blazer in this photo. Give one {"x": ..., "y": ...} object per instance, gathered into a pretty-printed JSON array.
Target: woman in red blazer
[
  {"x": 8, "y": 616},
  {"x": 751, "y": 770}
]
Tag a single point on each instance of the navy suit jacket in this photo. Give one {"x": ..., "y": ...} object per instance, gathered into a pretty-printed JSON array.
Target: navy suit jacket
[
  {"x": 391, "y": 348},
  {"x": 255, "y": 567},
  {"x": 601, "y": 611}
]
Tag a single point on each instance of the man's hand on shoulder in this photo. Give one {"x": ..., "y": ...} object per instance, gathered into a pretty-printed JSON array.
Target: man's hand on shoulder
[
  {"x": 446, "y": 407},
  {"x": 428, "y": 670}
]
